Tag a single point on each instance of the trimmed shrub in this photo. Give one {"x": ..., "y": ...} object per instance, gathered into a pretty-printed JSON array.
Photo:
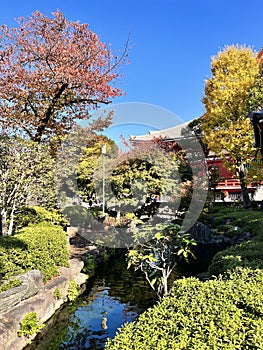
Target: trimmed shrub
[
  {"x": 216, "y": 314},
  {"x": 43, "y": 247},
  {"x": 77, "y": 215},
  {"x": 35, "y": 215},
  {"x": 221, "y": 314},
  {"x": 246, "y": 254}
]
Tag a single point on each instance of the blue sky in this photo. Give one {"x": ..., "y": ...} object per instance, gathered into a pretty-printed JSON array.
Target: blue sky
[{"x": 171, "y": 41}]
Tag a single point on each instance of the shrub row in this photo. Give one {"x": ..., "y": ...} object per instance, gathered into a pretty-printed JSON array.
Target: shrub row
[
  {"x": 246, "y": 254},
  {"x": 216, "y": 314},
  {"x": 35, "y": 215},
  {"x": 43, "y": 247},
  {"x": 222, "y": 313}
]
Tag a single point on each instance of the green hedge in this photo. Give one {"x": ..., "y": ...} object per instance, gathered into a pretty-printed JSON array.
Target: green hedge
[
  {"x": 216, "y": 314},
  {"x": 222, "y": 313},
  {"x": 251, "y": 221},
  {"x": 43, "y": 247},
  {"x": 78, "y": 215},
  {"x": 35, "y": 215},
  {"x": 246, "y": 254}
]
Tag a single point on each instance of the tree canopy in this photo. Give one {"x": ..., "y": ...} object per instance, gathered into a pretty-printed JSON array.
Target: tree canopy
[
  {"x": 226, "y": 125},
  {"x": 52, "y": 72},
  {"x": 26, "y": 176},
  {"x": 89, "y": 161}
]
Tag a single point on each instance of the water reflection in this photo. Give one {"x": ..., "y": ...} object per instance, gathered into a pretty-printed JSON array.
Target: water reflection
[{"x": 114, "y": 296}]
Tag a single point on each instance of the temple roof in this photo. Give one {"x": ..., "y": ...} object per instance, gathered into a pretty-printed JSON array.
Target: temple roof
[{"x": 175, "y": 133}]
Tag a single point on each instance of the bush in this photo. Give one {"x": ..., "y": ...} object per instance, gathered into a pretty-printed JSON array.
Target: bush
[
  {"x": 35, "y": 215},
  {"x": 227, "y": 230},
  {"x": 89, "y": 265},
  {"x": 224, "y": 313},
  {"x": 73, "y": 290},
  {"x": 246, "y": 254},
  {"x": 10, "y": 284},
  {"x": 77, "y": 215},
  {"x": 57, "y": 293},
  {"x": 30, "y": 325},
  {"x": 43, "y": 247},
  {"x": 216, "y": 314}
]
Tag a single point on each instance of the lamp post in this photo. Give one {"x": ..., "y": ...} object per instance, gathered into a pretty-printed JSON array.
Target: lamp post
[{"x": 103, "y": 153}]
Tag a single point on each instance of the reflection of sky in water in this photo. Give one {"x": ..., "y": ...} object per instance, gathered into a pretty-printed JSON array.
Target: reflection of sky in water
[
  {"x": 115, "y": 292},
  {"x": 89, "y": 333}
]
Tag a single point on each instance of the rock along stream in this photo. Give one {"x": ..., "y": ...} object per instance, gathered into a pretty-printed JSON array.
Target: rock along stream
[{"x": 112, "y": 297}]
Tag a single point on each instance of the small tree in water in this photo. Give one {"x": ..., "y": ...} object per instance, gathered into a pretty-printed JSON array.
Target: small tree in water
[{"x": 157, "y": 254}]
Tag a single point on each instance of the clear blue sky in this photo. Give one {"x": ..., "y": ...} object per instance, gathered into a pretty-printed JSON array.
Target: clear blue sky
[{"x": 172, "y": 41}]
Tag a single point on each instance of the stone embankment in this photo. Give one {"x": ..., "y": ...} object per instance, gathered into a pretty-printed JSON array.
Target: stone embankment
[
  {"x": 204, "y": 234},
  {"x": 35, "y": 296}
]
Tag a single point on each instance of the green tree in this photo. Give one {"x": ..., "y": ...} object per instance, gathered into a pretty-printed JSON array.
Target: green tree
[
  {"x": 89, "y": 161},
  {"x": 255, "y": 96},
  {"x": 156, "y": 254},
  {"x": 77, "y": 159},
  {"x": 26, "y": 177},
  {"x": 226, "y": 126},
  {"x": 142, "y": 173}
]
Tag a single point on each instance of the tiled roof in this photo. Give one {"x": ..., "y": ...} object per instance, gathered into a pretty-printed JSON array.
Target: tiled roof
[{"x": 176, "y": 132}]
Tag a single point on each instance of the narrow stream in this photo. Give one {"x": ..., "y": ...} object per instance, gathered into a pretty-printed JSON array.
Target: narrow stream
[{"x": 114, "y": 296}]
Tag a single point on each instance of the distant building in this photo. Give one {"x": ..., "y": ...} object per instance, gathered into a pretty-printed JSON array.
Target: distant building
[{"x": 227, "y": 189}]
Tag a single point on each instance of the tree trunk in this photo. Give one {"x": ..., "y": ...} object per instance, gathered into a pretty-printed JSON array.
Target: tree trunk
[
  {"x": 4, "y": 226},
  {"x": 11, "y": 223},
  {"x": 245, "y": 196},
  {"x": 165, "y": 282}
]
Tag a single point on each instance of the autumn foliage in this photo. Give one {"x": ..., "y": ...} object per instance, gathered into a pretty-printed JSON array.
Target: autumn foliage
[
  {"x": 53, "y": 71},
  {"x": 226, "y": 125}
]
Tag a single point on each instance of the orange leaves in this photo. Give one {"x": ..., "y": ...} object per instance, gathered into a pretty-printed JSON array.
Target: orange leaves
[{"x": 41, "y": 56}]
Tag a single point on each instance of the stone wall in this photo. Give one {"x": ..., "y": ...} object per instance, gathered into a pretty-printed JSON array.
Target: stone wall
[{"x": 34, "y": 296}]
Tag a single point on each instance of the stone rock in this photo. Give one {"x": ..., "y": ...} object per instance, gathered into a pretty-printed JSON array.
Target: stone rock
[
  {"x": 201, "y": 232},
  {"x": 240, "y": 237},
  {"x": 72, "y": 231},
  {"x": 76, "y": 266},
  {"x": 44, "y": 302},
  {"x": 219, "y": 239},
  {"x": 32, "y": 282}
]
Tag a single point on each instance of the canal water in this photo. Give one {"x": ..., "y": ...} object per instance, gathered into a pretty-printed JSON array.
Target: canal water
[{"x": 112, "y": 297}]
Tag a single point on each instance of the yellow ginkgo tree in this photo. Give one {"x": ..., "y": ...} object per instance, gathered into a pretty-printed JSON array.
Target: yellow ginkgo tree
[{"x": 226, "y": 125}]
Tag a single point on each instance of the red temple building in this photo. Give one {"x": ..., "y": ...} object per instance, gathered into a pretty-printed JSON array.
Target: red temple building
[{"x": 228, "y": 188}]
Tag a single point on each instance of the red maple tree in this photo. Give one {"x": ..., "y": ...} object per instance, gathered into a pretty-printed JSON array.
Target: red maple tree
[{"x": 52, "y": 72}]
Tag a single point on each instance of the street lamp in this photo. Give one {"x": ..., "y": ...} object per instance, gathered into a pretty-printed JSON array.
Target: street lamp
[{"x": 103, "y": 153}]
